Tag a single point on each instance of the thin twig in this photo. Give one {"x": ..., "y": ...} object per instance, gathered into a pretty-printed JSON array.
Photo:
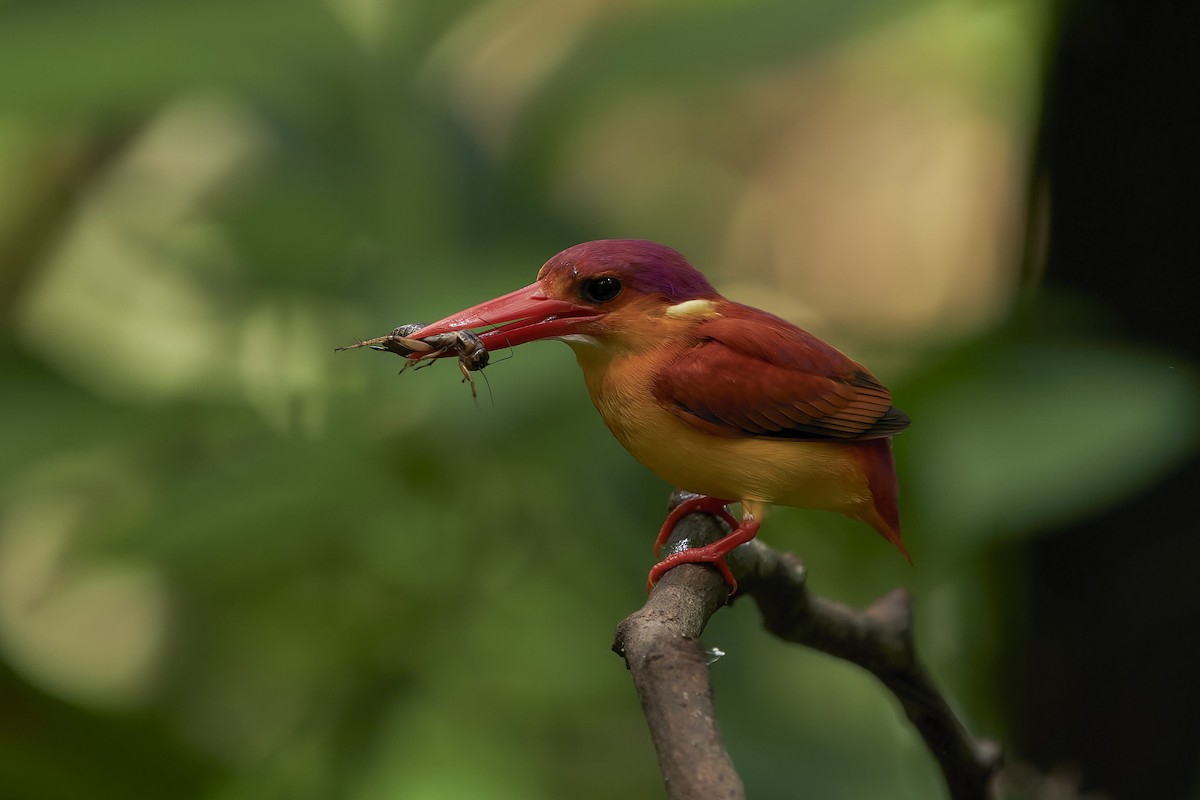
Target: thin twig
[{"x": 878, "y": 639}]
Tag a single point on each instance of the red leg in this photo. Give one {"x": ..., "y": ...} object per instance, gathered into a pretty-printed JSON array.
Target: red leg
[
  {"x": 702, "y": 503},
  {"x": 710, "y": 554}
]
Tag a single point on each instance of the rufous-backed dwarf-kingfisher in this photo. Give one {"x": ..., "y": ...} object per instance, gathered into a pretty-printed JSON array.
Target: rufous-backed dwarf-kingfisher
[{"x": 717, "y": 398}]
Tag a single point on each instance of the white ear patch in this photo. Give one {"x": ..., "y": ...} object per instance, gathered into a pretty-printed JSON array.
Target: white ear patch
[{"x": 693, "y": 309}]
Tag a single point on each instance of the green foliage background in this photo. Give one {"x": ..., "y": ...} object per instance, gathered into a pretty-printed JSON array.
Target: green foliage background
[{"x": 236, "y": 565}]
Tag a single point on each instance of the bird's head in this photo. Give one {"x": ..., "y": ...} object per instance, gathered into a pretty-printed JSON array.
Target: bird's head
[{"x": 615, "y": 292}]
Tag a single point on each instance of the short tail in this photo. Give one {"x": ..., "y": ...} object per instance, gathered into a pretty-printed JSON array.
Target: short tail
[{"x": 880, "y": 469}]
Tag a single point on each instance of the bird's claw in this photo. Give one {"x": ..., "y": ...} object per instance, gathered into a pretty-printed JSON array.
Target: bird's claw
[
  {"x": 713, "y": 553},
  {"x": 699, "y": 503},
  {"x": 697, "y": 555}
]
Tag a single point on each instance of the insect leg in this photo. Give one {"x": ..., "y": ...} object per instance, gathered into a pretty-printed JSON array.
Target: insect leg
[{"x": 466, "y": 373}]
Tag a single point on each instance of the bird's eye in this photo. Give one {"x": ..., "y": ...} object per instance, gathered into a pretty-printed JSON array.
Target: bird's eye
[{"x": 599, "y": 290}]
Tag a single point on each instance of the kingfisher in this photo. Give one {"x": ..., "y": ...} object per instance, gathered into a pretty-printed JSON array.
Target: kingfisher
[{"x": 723, "y": 400}]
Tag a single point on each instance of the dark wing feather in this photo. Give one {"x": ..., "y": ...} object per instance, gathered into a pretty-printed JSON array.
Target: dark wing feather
[{"x": 753, "y": 374}]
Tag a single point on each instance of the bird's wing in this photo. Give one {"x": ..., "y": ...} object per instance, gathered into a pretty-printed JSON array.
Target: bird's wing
[{"x": 753, "y": 374}]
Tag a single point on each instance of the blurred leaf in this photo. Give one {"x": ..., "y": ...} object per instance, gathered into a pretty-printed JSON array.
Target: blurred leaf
[
  {"x": 683, "y": 48},
  {"x": 76, "y": 59},
  {"x": 1027, "y": 436}
]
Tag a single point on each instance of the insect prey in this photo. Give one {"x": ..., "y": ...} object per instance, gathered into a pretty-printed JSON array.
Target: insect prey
[{"x": 472, "y": 354}]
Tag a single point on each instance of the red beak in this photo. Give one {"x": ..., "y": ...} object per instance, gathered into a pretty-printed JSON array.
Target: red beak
[{"x": 525, "y": 316}]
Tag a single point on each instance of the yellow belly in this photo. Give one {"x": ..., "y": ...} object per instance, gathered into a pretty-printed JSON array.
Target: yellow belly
[{"x": 755, "y": 471}]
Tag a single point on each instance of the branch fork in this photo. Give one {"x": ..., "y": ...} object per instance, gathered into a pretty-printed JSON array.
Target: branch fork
[{"x": 661, "y": 646}]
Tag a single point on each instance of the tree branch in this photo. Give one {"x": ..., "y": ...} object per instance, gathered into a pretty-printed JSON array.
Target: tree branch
[{"x": 660, "y": 644}]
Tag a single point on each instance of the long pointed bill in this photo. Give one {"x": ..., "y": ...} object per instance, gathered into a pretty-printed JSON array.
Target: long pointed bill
[{"x": 523, "y": 316}]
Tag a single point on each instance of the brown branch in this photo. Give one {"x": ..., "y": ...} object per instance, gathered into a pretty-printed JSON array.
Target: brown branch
[
  {"x": 661, "y": 646},
  {"x": 880, "y": 641}
]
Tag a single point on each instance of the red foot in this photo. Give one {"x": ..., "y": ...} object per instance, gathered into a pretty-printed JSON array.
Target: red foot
[
  {"x": 709, "y": 554},
  {"x": 701, "y": 502}
]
